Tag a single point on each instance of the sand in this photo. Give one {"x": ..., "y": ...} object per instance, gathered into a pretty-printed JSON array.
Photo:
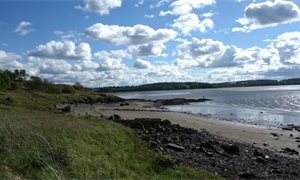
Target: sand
[{"x": 256, "y": 135}]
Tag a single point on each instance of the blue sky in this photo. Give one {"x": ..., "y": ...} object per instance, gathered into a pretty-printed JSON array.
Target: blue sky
[{"x": 130, "y": 42}]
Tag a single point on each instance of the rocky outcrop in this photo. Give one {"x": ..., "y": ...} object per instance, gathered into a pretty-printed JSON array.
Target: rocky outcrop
[
  {"x": 178, "y": 101},
  {"x": 203, "y": 150}
]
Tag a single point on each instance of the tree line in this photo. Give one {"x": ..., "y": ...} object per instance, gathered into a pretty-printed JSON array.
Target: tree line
[
  {"x": 20, "y": 79},
  {"x": 197, "y": 85}
]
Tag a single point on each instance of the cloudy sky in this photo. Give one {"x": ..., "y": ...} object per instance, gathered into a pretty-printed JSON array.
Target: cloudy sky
[{"x": 131, "y": 42}]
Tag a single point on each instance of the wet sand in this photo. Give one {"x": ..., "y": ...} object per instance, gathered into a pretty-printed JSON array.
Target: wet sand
[{"x": 256, "y": 135}]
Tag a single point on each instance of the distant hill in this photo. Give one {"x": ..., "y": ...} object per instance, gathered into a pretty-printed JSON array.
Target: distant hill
[{"x": 197, "y": 85}]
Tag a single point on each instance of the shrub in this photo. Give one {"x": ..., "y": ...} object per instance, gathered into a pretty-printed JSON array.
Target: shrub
[
  {"x": 68, "y": 90},
  {"x": 53, "y": 89}
]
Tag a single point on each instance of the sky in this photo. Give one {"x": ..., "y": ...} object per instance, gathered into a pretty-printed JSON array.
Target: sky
[{"x": 130, "y": 42}]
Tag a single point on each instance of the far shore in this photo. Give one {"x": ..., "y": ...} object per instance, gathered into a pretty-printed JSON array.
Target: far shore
[{"x": 263, "y": 137}]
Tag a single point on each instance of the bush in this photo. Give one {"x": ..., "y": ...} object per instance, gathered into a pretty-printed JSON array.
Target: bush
[
  {"x": 53, "y": 89},
  {"x": 68, "y": 90}
]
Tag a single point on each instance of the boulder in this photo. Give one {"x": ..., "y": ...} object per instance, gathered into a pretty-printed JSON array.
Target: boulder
[{"x": 231, "y": 149}]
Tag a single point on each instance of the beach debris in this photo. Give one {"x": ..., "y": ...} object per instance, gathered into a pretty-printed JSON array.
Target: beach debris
[{"x": 175, "y": 147}]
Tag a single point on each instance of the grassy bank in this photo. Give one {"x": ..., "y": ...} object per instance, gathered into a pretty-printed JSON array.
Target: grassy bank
[{"x": 37, "y": 143}]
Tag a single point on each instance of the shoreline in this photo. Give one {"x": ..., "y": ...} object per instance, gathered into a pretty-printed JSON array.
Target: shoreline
[{"x": 264, "y": 137}]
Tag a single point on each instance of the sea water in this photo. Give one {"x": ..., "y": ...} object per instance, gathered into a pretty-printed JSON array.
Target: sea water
[{"x": 264, "y": 105}]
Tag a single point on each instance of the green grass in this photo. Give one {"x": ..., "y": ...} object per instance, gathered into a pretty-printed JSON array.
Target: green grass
[{"x": 38, "y": 144}]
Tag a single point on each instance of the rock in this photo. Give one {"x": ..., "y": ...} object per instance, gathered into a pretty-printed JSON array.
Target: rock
[
  {"x": 274, "y": 134},
  {"x": 65, "y": 108},
  {"x": 114, "y": 117},
  {"x": 261, "y": 160},
  {"x": 247, "y": 175},
  {"x": 175, "y": 147},
  {"x": 231, "y": 149},
  {"x": 290, "y": 151},
  {"x": 298, "y": 146},
  {"x": 265, "y": 144},
  {"x": 291, "y": 135},
  {"x": 288, "y": 127}
]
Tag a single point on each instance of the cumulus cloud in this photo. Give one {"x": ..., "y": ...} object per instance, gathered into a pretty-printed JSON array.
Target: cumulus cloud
[
  {"x": 142, "y": 40},
  {"x": 120, "y": 35},
  {"x": 204, "y": 53},
  {"x": 62, "y": 50},
  {"x": 288, "y": 47},
  {"x": 149, "y": 16},
  {"x": 10, "y": 61},
  {"x": 110, "y": 65},
  {"x": 142, "y": 64},
  {"x": 154, "y": 49},
  {"x": 24, "y": 28},
  {"x": 101, "y": 7},
  {"x": 268, "y": 14},
  {"x": 181, "y": 7},
  {"x": 111, "y": 60},
  {"x": 189, "y": 22}
]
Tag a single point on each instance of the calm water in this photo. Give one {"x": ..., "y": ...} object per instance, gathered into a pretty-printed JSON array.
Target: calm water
[{"x": 270, "y": 106}]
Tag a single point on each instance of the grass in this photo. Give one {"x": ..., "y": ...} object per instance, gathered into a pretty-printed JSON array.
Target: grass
[{"x": 38, "y": 144}]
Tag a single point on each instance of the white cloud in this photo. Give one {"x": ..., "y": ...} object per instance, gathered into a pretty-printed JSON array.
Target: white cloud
[
  {"x": 85, "y": 66},
  {"x": 110, "y": 64},
  {"x": 205, "y": 53},
  {"x": 139, "y": 3},
  {"x": 63, "y": 50},
  {"x": 154, "y": 49},
  {"x": 268, "y": 14},
  {"x": 111, "y": 60},
  {"x": 114, "y": 54},
  {"x": 207, "y": 14},
  {"x": 181, "y": 7},
  {"x": 24, "y": 28},
  {"x": 123, "y": 35},
  {"x": 190, "y": 22},
  {"x": 101, "y": 7},
  {"x": 288, "y": 47},
  {"x": 149, "y": 16},
  {"x": 10, "y": 61},
  {"x": 142, "y": 40},
  {"x": 160, "y": 3},
  {"x": 142, "y": 64}
]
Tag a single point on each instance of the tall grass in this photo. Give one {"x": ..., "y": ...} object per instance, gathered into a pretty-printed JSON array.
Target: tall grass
[{"x": 38, "y": 144}]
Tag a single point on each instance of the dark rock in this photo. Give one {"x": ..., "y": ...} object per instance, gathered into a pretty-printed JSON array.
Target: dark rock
[
  {"x": 265, "y": 144},
  {"x": 247, "y": 175},
  {"x": 291, "y": 135},
  {"x": 65, "y": 108},
  {"x": 114, "y": 117},
  {"x": 298, "y": 146},
  {"x": 231, "y": 149},
  {"x": 274, "y": 134},
  {"x": 175, "y": 147},
  {"x": 290, "y": 151},
  {"x": 288, "y": 128},
  {"x": 261, "y": 160}
]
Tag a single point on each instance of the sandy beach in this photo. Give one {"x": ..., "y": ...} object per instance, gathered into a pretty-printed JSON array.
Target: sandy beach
[{"x": 272, "y": 139}]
